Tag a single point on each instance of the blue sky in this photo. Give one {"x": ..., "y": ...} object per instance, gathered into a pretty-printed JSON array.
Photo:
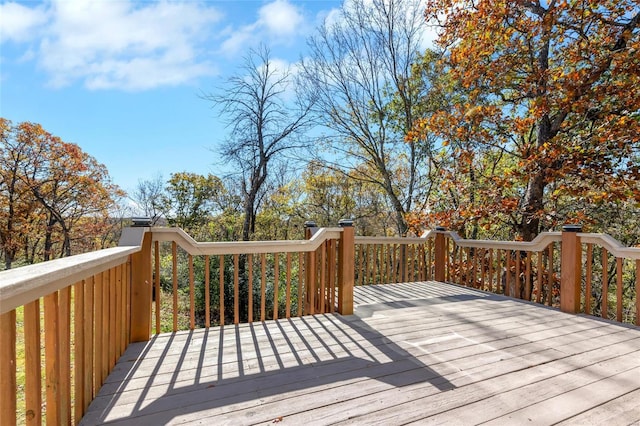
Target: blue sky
[{"x": 122, "y": 78}]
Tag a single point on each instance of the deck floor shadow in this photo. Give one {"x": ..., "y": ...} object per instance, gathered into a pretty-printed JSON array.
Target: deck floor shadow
[{"x": 423, "y": 352}]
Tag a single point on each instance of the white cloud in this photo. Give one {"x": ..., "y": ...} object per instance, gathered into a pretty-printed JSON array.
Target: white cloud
[
  {"x": 19, "y": 23},
  {"x": 280, "y": 18},
  {"x": 120, "y": 44},
  {"x": 278, "y": 22}
]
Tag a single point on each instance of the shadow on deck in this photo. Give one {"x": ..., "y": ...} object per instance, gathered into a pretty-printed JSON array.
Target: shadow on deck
[{"x": 411, "y": 352}]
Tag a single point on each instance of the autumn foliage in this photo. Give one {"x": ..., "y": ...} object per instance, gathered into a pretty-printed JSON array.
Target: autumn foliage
[
  {"x": 54, "y": 198},
  {"x": 547, "y": 119}
]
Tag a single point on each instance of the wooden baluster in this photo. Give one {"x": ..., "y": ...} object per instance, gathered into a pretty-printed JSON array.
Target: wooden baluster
[
  {"x": 490, "y": 286},
  {"x": 207, "y": 294},
  {"x": 527, "y": 277},
  {"x": 113, "y": 320},
  {"x": 124, "y": 309},
  {"x": 369, "y": 265},
  {"x": 79, "y": 352},
  {"x": 174, "y": 280},
  {"x": 395, "y": 268},
  {"x": 221, "y": 289},
  {"x": 98, "y": 333},
  {"x": 276, "y": 280},
  {"x": 8, "y": 383},
  {"x": 419, "y": 262},
  {"x": 372, "y": 280},
  {"x": 461, "y": 266},
  {"x": 517, "y": 280},
  {"x": 250, "y": 289},
  {"x": 128, "y": 295},
  {"x": 411, "y": 264},
  {"x": 331, "y": 296},
  {"x": 106, "y": 310},
  {"x": 323, "y": 263},
  {"x": 449, "y": 258},
  {"x": 117, "y": 283},
  {"x": 539, "y": 278},
  {"x": 32, "y": 364},
  {"x": 619, "y": 289},
  {"x": 156, "y": 256},
  {"x": 236, "y": 289},
  {"x": 89, "y": 336},
  {"x": 605, "y": 284},
  {"x": 263, "y": 282},
  {"x": 638, "y": 292},
  {"x": 474, "y": 268},
  {"x": 192, "y": 295},
  {"x": 301, "y": 266},
  {"x": 551, "y": 277},
  {"x": 499, "y": 271},
  {"x": 469, "y": 267},
  {"x": 288, "y": 287},
  {"x": 431, "y": 267},
  {"x": 360, "y": 265},
  {"x": 52, "y": 360},
  {"x": 589, "y": 277},
  {"x": 507, "y": 274},
  {"x": 384, "y": 267}
]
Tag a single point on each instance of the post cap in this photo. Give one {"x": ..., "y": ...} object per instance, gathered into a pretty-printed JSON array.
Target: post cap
[
  {"x": 310, "y": 224},
  {"x": 140, "y": 222},
  {"x": 441, "y": 228},
  {"x": 345, "y": 223},
  {"x": 572, "y": 227}
]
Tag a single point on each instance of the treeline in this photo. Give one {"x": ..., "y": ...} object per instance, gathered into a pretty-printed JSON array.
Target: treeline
[
  {"x": 55, "y": 199},
  {"x": 522, "y": 117}
]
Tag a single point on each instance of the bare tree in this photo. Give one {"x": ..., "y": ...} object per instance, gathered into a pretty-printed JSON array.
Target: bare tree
[
  {"x": 266, "y": 119},
  {"x": 148, "y": 198},
  {"x": 360, "y": 70}
]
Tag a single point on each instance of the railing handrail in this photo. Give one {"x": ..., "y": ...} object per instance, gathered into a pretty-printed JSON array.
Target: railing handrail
[
  {"x": 612, "y": 245},
  {"x": 539, "y": 243},
  {"x": 193, "y": 247},
  {"x": 390, "y": 240},
  {"x": 25, "y": 284}
]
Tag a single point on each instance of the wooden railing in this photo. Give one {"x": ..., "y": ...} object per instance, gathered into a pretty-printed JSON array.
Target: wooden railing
[
  {"x": 576, "y": 272},
  {"x": 248, "y": 281},
  {"x": 71, "y": 318},
  {"x": 391, "y": 260}
]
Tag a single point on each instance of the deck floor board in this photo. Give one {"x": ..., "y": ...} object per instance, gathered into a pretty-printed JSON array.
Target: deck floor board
[{"x": 423, "y": 352}]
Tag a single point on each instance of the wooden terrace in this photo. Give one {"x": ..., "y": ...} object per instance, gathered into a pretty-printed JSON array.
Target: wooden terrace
[
  {"x": 422, "y": 352},
  {"x": 465, "y": 332}
]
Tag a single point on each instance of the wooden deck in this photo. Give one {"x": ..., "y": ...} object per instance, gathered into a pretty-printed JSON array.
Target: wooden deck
[{"x": 413, "y": 353}]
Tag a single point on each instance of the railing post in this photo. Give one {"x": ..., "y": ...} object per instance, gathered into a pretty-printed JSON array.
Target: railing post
[
  {"x": 570, "y": 269},
  {"x": 310, "y": 228},
  {"x": 440, "y": 254},
  {"x": 346, "y": 267},
  {"x": 141, "y": 290}
]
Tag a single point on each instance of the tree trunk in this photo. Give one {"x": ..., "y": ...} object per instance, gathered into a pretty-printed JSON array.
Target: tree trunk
[
  {"x": 533, "y": 203},
  {"x": 48, "y": 243}
]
